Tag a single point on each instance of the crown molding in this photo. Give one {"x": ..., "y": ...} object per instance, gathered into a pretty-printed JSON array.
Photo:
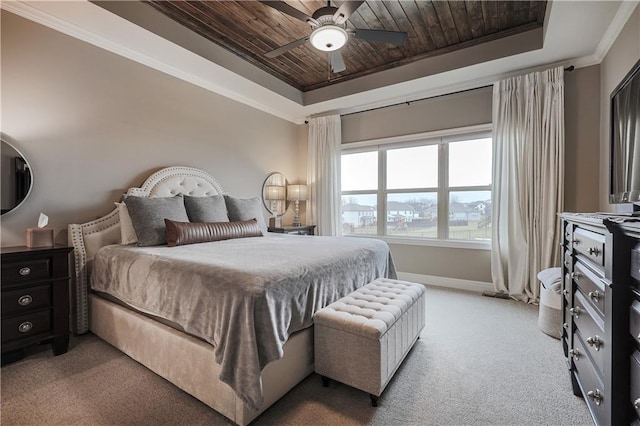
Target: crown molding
[{"x": 617, "y": 24}]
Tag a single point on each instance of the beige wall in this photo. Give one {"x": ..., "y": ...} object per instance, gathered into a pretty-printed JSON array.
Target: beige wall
[
  {"x": 622, "y": 55},
  {"x": 93, "y": 124},
  {"x": 582, "y": 139}
]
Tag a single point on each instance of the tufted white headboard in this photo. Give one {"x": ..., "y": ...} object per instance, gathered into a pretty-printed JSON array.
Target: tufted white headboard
[{"x": 87, "y": 238}]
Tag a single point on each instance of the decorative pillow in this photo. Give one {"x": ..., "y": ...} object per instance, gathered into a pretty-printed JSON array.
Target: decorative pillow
[
  {"x": 181, "y": 233},
  {"x": 148, "y": 215},
  {"x": 127, "y": 232},
  {"x": 206, "y": 209},
  {"x": 240, "y": 209}
]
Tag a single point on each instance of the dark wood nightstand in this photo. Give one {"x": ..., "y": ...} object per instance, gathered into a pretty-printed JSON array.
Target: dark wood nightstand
[
  {"x": 35, "y": 298},
  {"x": 296, "y": 230}
]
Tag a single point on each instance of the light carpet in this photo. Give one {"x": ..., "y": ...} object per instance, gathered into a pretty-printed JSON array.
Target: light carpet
[{"x": 479, "y": 361}]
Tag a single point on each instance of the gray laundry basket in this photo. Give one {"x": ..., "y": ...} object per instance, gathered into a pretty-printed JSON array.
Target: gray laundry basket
[{"x": 550, "y": 313}]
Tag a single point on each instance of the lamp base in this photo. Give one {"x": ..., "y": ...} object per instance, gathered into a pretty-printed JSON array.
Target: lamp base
[{"x": 296, "y": 217}]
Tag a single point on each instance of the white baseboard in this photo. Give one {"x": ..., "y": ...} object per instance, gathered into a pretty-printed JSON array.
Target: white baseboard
[{"x": 476, "y": 286}]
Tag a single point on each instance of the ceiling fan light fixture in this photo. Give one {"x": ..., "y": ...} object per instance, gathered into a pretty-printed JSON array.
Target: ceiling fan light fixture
[{"x": 328, "y": 38}]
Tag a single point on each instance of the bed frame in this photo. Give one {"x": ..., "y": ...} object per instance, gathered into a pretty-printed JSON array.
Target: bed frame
[{"x": 184, "y": 360}]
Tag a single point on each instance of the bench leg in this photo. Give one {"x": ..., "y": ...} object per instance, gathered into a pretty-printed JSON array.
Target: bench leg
[
  {"x": 374, "y": 400},
  {"x": 325, "y": 382}
]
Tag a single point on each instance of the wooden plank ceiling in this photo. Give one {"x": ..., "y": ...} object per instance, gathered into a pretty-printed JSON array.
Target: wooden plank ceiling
[{"x": 250, "y": 29}]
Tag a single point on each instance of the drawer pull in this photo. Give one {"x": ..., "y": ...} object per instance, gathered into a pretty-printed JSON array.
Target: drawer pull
[
  {"x": 594, "y": 251},
  {"x": 25, "y": 300},
  {"x": 594, "y": 295},
  {"x": 565, "y": 325},
  {"x": 596, "y": 396},
  {"x": 565, "y": 292},
  {"x": 576, "y": 275},
  {"x": 575, "y": 312},
  {"x": 636, "y": 404},
  {"x": 24, "y": 271},
  {"x": 595, "y": 342},
  {"x": 574, "y": 353},
  {"x": 576, "y": 242},
  {"x": 25, "y": 327}
]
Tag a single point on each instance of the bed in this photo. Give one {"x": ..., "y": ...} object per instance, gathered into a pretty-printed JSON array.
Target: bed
[{"x": 252, "y": 341}]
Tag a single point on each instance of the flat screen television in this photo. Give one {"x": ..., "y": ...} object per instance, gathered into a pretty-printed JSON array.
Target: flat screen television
[{"x": 625, "y": 142}]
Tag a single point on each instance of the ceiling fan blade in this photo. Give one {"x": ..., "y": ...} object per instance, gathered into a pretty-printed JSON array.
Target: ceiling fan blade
[
  {"x": 393, "y": 37},
  {"x": 289, "y": 10},
  {"x": 345, "y": 10},
  {"x": 282, "y": 49},
  {"x": 337, "y": 63}
]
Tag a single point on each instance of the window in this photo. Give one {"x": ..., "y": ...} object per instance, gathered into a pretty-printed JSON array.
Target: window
[{"x": 419, "y": 187}]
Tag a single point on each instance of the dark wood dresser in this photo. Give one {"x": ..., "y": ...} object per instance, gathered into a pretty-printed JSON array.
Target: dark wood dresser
[
  {"x": 296, "y": 230},
  {"x": 35, "y": 298},
  {"x": 598, "y": 315}
]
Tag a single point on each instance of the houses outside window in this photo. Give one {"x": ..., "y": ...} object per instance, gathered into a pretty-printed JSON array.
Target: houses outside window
[{"x": 425, "y": 187}]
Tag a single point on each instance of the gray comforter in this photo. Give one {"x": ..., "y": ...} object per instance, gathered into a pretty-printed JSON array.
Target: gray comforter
[{"x": 244, "y": 296}]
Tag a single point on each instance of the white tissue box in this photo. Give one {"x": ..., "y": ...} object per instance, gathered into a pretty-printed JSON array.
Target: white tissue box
[{"x": 39, "y": 237}]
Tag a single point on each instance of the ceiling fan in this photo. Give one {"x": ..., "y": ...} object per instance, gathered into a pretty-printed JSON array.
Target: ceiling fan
[{"x": 330, "y": 30}]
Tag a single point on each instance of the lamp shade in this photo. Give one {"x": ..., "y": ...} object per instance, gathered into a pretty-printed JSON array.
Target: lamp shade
[
  {"x": 297, "y": 192},
  {"x": 274, "y": 192}
]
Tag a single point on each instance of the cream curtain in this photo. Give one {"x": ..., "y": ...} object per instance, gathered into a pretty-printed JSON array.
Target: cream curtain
[
  {"x": 528, "y": 162},
  {"x": 323, "y": 174}
]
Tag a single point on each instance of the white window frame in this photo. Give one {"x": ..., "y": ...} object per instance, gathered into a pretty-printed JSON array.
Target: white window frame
[{"x": 442, "y": 138}]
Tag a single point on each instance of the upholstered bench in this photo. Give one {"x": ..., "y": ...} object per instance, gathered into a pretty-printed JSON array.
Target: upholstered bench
[{"x": 362, "y": 339}]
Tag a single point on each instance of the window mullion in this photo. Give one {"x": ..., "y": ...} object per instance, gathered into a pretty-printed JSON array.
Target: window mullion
[
  {"x": 443, "y": 191},
  {"x": 382, "y": 193}
]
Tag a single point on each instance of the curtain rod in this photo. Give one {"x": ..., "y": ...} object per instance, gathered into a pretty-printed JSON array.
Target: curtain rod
[{"x": 567, "y": 69}]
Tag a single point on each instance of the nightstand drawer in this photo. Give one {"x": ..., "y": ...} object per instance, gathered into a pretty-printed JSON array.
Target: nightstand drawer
[
  {"x": 26, "y": 325},
  {"x": 27, "y": 298},
  {"x": 28, "y": 270}
]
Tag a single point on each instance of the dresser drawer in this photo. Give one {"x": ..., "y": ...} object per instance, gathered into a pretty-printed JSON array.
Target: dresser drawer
[
  {"x": 634, "y": 320},
  {"x": 594, "y": 393},
  {"x": 589, "y": 244},
  {"x": 26, "y": 325},
  {"x": 590, "y": 284},
  {"x": 635, "y": 381},
  {"x": 591, "y": 330},
  {"x": 27, "y": 298},
  {"x": 635, "y": 263},
  {"x": 28, "y": 270}
]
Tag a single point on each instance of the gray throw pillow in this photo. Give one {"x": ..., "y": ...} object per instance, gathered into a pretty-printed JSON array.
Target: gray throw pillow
[
  {"x": 206, "y": 209},
  {"x": 241, "y": 209},
  {"x": 148, "y": 215}
]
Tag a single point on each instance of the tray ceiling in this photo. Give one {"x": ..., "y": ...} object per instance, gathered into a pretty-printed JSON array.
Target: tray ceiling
[{"x": 249, "y": 29}]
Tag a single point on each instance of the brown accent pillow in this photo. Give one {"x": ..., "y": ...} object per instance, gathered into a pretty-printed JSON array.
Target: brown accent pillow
[{"x": 181, "y": 233}]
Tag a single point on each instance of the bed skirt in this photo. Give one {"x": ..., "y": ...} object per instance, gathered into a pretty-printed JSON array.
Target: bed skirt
[{"x": 188, "y": 362}]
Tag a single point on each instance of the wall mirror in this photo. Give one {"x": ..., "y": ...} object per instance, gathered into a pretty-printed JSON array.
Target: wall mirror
[
  {"x": 274, "y": 194},
  {"x": 17, "y": 179}
]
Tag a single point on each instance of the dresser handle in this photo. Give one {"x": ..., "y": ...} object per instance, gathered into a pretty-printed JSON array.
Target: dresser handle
[
  {"x": 594, "y": 341},
  {"x": 596, "y": 396},
  {"x": 574, "y": 353},
  {"x": 636, "y": 404},
  {"x": 594, "y": 251},
  {"x": 25, "y": 300},
  {"x": 25, "y": 327},
  {"x": 594, "y": 295},
  {"x": 576, "y": 275},
  {"x": 576, "y": 242},
  {"x": 565, "y": 292},
  {"x": 565, "y": 325},
  {"x": 24, "y": 271},
  {"x": 575, "y": 312}
]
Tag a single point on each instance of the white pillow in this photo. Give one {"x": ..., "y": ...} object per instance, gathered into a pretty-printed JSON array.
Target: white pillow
[{"x": 127, "y": 231}]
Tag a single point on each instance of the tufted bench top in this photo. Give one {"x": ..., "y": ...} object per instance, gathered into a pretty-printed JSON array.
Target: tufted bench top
[{"x": 372, "y": 309}]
